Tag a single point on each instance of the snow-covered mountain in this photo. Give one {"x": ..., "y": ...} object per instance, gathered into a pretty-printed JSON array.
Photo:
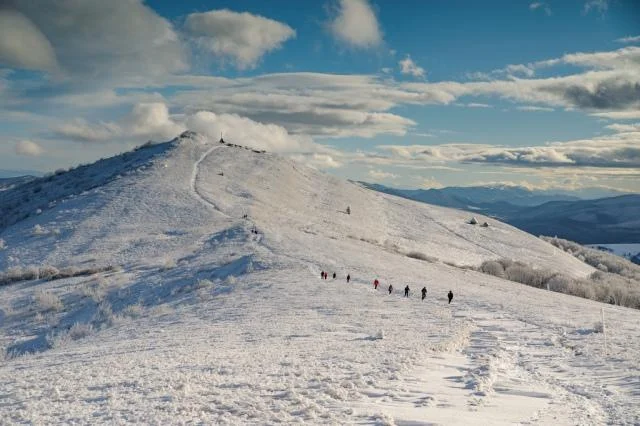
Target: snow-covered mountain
[
  {"x": 614, "y": 220},
  {"x": 214, "y": 310},
  {"x": 605, "y": 220}
]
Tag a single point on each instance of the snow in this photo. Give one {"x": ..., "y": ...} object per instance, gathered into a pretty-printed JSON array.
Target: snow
[{"x": 207, "y": 322}]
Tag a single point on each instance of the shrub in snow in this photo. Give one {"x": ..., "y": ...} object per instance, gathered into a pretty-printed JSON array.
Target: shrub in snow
[
  {"x": 76, "y": 332},
  {"x": 206, "y": 284},
  {"x": 168, "y": 264},
  {"x": 48, "y": 272},
  {"x": 30, "y": 273},
  {"x": 526, "y": 275},
  {"x": 38, "y": 230},
  {"x": 492, "y": 267},
  {"x": 80, "y": 331},
  {"x": 104, "y": 315},
  {"x": 133, "y": 311},
  {"x": 93, "y": 292},
  {"x": 614, "y": 264},
  {"x": 421, "y": 256},
  {"x": 598, "y": 327},
  {"x": 560, "y": 284},
  {"x": 68, "y": 272},
  {"x": 47, "y": 301},
  {"x": 602, "y": 286}
]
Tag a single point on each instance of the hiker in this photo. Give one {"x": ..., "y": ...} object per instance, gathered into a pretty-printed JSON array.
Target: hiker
[
  {"x": 325, "y": 275},
  {"x": 424, "y": 292},
  {"x": 390, "y": 288},
  {"x": 322, "y": 275},
  {"x": 406, "y": 291},
  {"x": 450, "y": 295},
  {"x": 348, "y": 210},
  {"x": 375, "y": 283},
  {"x": 348, "y": 278},
  {"x": 334, "y": 275}
]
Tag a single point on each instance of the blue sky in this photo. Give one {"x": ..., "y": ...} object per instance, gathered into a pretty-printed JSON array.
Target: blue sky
[{"x": 408, "y": 94}]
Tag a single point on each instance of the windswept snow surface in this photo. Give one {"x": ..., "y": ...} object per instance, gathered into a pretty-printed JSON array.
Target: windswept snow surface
[{"x": 208, "y": 322}]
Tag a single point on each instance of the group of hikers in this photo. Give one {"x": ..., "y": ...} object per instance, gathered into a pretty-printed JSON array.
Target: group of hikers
[{"x": 324, "y": 275}]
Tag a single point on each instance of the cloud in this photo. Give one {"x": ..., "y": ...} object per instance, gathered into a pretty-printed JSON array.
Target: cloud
[
  {"x": 145, "y": 121},
  {"x": 525, "y": 70},
  {"x": 22, "y": 45},
  {"x": 28, "y": 148},
  {"x": 429, "y": 183},
  {"x": 618, "y": 115},
  {"x": 540, "y": 6},
  {"x": 242, "y": 37},
  {"x": 619, "y": 150},
  {"x": 153, "y": 121},
  {"x": 307, "y": 103},
  {"x": 82, "y": 131},
  {"x": 95, "y": 40},
  {"x": 356, "y": 24},
  {"x": 600, "y": 6},
  {"x": 629, "y": 39},
  {"x": 624, "y": 128},
  {"x": 247, "y": 132},
  {"x": 379, "y": 175},
  {"x": 407, "y": 66},
  {"x": 626, "y": 58},
  {"x": 317, "y": 161},
  {"x": 477, "y": 105},
  {"x": 534, "y": 108}
]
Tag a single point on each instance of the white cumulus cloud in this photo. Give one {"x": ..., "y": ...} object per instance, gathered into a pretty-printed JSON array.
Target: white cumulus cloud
[
  {"x": 242, "y": 37},
  {"x": 356, "y": 24},
  {"x": 28, "y": 148},
  {"x": 379, "y": 175},
  {"x": 629, "y": 39},
  {"x": 408, "y": 66},
  {"x": 22, "y": 45},
  {"x": 95, "y": 40},
  {"x": 248, "y": 132}
]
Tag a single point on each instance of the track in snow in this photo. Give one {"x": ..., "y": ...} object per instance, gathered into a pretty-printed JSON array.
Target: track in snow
[{"x": 194, "y": 179}]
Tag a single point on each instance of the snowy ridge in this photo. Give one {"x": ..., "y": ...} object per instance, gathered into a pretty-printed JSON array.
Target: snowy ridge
[{"x": 207, "y": 321}]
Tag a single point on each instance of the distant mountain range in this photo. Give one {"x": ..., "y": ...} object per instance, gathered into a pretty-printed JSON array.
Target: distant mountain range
[
  {"x": 4, "y": 173},
  {"x": 611, "y": 220}
]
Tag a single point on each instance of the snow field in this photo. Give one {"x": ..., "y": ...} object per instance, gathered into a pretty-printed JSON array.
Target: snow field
[{"x": 207, "y": 322}]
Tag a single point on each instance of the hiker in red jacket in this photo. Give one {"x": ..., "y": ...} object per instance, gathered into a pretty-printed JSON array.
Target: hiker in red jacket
[{"x": 375, "y": 283}]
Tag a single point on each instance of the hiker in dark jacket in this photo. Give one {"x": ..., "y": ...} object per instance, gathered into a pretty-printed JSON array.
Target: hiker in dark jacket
[
  {"x": 390, "y": 288},
  {"x": 424, "y": 292},
  {"x": 334, "y": 275},
  {"x": 322, "y": 275},
  {"x": 348, "y": 278},
  {"x": 450, "y": 296},
  {"x": 406, "y": 291}
]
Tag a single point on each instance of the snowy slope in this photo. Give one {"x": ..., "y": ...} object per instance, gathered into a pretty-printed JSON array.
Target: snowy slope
[{"x": 206, "y": 321}]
